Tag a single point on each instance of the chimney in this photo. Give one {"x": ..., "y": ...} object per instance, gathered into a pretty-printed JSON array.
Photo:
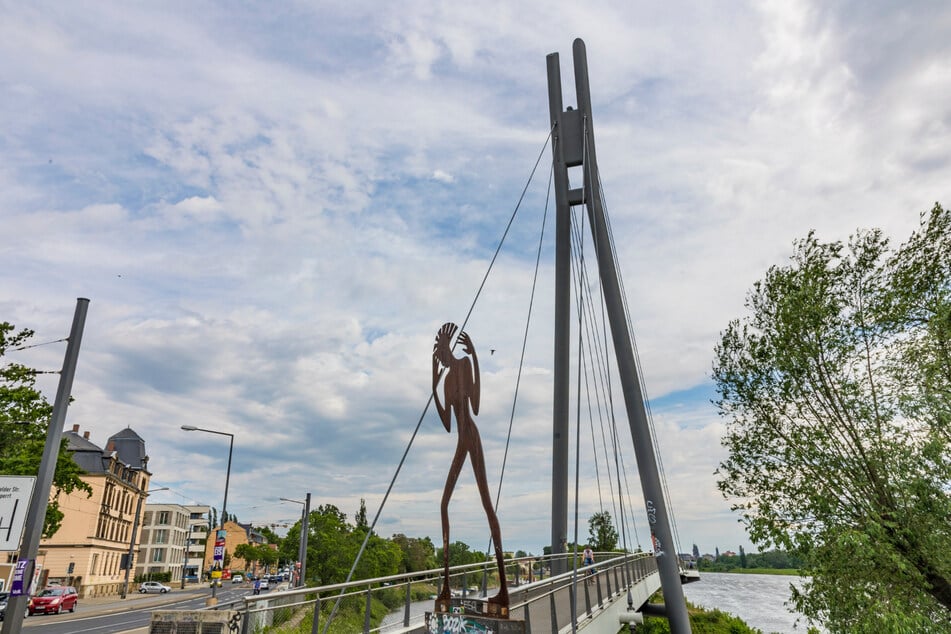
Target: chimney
[
  {"x": 76, "y": 429},
  {"x": 111, "y": 446},
  {"x": 86, "y": 435}
]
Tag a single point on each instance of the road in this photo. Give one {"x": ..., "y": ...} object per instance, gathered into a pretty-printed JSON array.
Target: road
[{"x": 137, "y": 616}]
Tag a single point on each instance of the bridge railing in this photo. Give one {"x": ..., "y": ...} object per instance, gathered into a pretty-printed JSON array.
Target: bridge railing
[{"x": 547, "y": 603}]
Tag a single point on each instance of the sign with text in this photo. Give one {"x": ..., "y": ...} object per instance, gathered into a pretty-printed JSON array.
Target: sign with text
[
  {"x": 15, "y": 494},
  {"x": 220, "y": 546},
  {"x": 17, "y": 588}
]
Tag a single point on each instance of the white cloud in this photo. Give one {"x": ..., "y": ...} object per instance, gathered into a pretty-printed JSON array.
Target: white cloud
[{"x": 443, "y": 177}]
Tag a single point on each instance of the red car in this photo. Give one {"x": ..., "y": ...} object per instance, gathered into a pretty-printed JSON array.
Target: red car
[{"x": 54, "y": 600}]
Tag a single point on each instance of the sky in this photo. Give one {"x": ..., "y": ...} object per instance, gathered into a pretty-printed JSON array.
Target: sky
[{"x": 272, "y": 207}]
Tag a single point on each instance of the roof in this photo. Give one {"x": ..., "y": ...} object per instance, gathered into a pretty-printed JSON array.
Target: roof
[
  {"x": 130, "y": 447},
  {"x": 85, "y": 453}
]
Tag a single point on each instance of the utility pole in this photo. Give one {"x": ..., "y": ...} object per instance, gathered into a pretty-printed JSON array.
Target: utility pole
[
  {"x": 576, "y": 147},
  {"x": 304, "y": 534},
  {"x": 33, "y": 529}
]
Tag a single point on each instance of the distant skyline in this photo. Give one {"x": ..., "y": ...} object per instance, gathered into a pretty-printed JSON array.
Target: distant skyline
[{"x": 272, "y": 208}]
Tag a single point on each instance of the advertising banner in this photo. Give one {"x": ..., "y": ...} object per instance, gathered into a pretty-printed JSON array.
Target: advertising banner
[{"x": 19, "y": 587}]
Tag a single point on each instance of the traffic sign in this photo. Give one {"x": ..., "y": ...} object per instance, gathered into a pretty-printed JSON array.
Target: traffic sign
[{"x": 15, "y": 494}]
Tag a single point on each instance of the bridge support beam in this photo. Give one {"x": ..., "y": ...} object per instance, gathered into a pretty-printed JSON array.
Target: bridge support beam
[
  {"x": 573, "y": 144},
  {"x": 562, "y": 385}
]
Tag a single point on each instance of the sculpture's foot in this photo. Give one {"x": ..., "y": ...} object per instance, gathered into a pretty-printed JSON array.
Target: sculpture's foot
[
  {"x": 498, "y": 606},
  {"x": 444, "y": 600}
]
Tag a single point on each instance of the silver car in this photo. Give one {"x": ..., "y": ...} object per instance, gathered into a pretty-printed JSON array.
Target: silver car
[{"x": 154, "y": 586}]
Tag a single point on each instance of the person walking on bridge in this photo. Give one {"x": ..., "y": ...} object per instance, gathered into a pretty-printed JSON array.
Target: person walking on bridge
[{"x": 461, "y": 391}]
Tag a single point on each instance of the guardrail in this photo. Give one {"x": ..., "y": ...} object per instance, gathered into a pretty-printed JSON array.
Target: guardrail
[{"x": 546, "y": 603}]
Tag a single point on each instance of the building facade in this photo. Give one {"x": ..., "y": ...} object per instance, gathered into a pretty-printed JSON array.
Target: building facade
[
  {"x": 235, "y": 534},
  {"x": 87, "y": 551},
  {"x": 172, "y": 541},
  {"x": 199, "y": 525},
  {"x": 162, "y": 542}
]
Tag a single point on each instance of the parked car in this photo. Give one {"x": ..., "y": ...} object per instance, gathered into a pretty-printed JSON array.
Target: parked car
[
  {"x": 54, "y": 599},
  {"x": 3, "y": 606},
  {"x": 153, "y": 586},
  {"x": 237, "y": 579}
]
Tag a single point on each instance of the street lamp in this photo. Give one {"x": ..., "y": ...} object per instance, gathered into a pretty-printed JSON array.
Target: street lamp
[
  {"x": 224, "y": 505},
  {"x": 135, "y": 527},
  {"x": 304, "y": 530}
]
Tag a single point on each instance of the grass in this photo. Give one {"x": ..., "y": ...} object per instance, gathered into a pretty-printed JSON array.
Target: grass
[{"x": 701, "y": 622}]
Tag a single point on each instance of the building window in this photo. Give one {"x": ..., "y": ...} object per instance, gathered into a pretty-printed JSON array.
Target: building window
[
  {"x": 95, "y": 563},
  {"x": 158, "y": 555},
  {"x": 161, "y": 536},
  {"x": 163, "y": 517}
]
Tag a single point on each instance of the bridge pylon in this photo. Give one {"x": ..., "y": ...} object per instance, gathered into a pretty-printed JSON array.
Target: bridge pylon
[{"x": 573, "y": 146}]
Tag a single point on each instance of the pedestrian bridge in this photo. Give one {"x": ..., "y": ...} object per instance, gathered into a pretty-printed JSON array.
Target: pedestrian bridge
[{"x": 596, "y": 599}]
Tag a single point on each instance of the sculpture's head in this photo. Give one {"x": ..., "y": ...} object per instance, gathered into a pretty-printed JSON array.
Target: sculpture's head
[{"x": 442, "y": 349}]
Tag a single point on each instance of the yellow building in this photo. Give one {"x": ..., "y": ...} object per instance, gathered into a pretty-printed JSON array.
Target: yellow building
[
  {"x": 87, "y": 550},
  {"x": 235, "y": 534}
]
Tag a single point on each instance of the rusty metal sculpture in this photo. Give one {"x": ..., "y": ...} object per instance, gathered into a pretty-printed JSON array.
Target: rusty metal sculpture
[{"x": 460, "y": 381}]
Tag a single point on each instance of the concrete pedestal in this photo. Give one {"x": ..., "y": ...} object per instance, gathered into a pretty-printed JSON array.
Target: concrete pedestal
[{"x": 471, "y": 615}]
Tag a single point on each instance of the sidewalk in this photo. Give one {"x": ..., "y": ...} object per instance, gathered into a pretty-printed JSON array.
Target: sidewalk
[{"x": 110, "y": 605}]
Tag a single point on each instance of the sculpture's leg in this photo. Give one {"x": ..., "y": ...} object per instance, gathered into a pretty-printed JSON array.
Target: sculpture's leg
[
  {"x": 499, "y": 604},
  {"x": 445, "y": 596}
]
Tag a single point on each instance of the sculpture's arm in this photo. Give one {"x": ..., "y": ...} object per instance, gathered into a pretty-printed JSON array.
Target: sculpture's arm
[
  {"x": 444, "y": 414},
  {"x": 474, "y": 393}
]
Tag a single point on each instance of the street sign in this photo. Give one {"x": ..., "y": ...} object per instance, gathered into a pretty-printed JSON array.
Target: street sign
[{"x": 15, "y": 494}]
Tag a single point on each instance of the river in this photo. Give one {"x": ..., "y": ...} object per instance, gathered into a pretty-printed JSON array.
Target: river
[{"x": 757, "y": 599}]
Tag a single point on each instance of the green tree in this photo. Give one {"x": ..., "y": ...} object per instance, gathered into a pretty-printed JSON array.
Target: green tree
[
  {"x": 269, "y": 534},
  {"x": 742, "y": 557},
  {"x": 837, "y": 391},
  {"x": 602, "y": 535},
  {"x": 332, "y": 547},
  {"x": 416, "y": 554},
  {"x": 460, "y": 554},
  {"x": 265, "y": 555},
  {"x": 21, "y": 445},
  {"x": 361, "y": 518},
  {"x": 247, "y": 552}
]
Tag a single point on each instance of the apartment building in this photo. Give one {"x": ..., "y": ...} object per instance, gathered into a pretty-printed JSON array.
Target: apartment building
[
  {"x": 172, "y": 541},
  {"x": 199, "y": 525},
  {"x": 87, "y": 550}
]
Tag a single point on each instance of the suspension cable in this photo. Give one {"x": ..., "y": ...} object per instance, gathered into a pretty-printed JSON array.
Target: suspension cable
[{"x": 641, "y": 377}]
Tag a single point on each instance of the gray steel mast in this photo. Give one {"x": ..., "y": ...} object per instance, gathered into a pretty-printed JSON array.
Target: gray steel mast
[{"x": 573, "y": 145}]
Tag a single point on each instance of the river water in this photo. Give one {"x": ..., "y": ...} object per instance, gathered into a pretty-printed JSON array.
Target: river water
[{"x": 757, "y": 599}]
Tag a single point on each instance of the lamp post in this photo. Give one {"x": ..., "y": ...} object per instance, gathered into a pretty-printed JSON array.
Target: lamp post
[
  {"x": 304, "y": 531},
  {"x": 188, "y": 543},
  {"x": 135, "y": 527},
  {"x": 224, "y": 505}
]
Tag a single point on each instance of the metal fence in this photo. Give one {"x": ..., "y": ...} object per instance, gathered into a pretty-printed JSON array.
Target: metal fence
[{"x": 546, "y": 603}]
